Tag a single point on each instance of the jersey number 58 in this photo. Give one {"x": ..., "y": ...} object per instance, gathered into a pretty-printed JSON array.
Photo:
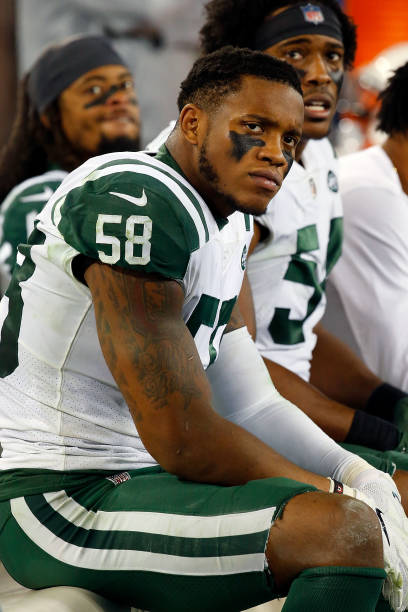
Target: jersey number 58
[{"x": 141, "y": 238}]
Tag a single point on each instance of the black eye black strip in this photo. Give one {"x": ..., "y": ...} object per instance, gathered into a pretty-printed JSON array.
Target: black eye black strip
[
  {"x": 242, "y": 143},
  {"x": 102, "y": 99}
]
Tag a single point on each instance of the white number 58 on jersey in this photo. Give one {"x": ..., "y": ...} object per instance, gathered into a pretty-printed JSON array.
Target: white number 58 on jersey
[{"x": 132, "y": 239}]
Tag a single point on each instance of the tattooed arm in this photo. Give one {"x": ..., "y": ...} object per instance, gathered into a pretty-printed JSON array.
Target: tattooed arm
[{"x": 154, "y": 361}]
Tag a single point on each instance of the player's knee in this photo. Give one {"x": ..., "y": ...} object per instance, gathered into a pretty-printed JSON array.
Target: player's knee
[
  {"x": 319, "y": 529},
  {"x": 359, "y": 531},
  {"x": 349, "y": 527}
]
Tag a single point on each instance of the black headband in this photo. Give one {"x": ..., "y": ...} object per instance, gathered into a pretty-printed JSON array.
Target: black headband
[
  {"x": 62, "y": 64},
  {"x": 297, "y": 20}
]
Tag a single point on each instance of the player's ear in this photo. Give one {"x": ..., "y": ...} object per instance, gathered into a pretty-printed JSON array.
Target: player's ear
[{"x": 191, "y": 120}]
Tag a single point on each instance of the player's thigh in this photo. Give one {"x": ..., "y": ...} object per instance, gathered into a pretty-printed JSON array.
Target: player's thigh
[{"x": 151, "y": 541}]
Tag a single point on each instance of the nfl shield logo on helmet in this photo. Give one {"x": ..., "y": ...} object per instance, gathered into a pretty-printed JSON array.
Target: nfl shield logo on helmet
[{"x": 312, "y": 13}]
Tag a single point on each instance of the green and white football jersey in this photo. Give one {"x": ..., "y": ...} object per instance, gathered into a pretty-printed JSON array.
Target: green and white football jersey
[
  {"x": 288, "y": 270},
  {"x": 17, "y": 214},
  {"x": 61, "y": 408}
]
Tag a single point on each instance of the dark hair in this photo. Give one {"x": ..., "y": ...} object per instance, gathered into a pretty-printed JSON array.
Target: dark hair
[
  {"x": 235, "y": 22},
  {"x": 31, "y": 146},
  {"x": 217, "y": 74},
  {"x": 393, "y": 115}
]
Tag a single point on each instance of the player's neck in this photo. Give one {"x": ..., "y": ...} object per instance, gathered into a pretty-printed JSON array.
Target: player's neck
[
  {"x": 184, "y": 160},
  {"x": 186, "y": 157},
  {"x": 396, "y": 147}
]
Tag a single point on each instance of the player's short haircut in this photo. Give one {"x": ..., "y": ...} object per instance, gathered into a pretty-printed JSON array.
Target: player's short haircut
[
  {"x": 218, "y": 74},
  {"x": 393, "y": 114},
  {"x": 236, "y": 22}
]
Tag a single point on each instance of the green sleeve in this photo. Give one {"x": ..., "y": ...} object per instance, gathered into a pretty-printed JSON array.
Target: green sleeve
[
  {"x": 18, "y": 213},
  {"x": 130, "y": 220}
]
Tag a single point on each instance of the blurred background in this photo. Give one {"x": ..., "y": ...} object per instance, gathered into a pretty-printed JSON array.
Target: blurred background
[
  {"x": 382, "y": 47},
  {"x": 159, "y": 41}
]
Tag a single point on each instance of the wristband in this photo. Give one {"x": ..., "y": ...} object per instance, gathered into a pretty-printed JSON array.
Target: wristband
[
  {"x": 373, "y": 432},
  {"x": 340, "y": 488},
  {"x": 383, "y": 400}
]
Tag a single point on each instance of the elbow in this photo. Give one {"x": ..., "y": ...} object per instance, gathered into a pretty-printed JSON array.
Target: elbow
[
  {"x": 186, "y": 462},
  {"x": 179, "y": 463},
  {"x": 183, "y": 456},
  {"x": 179, "y": 442}
]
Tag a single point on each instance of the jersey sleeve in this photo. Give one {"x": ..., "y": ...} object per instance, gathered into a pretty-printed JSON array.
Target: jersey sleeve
[
  {"x": 18, "y": 212},
  {"x": 131, "y": 220}
]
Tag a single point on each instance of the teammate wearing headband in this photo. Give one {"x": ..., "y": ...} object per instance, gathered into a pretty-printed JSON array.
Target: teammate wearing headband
[
  {"x": 298, "y": 240},
  {"x": 77, "y": 100}
]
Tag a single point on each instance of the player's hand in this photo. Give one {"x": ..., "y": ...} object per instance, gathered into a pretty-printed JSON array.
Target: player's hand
[
  {"x": 401, "y": 415},
  {"x": 378, "y": 490}
]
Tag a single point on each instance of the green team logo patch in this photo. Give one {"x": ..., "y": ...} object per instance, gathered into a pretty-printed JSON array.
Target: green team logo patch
[
  {"x": 244, "y": 257},
  {"x": 332, "y": 181}
]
